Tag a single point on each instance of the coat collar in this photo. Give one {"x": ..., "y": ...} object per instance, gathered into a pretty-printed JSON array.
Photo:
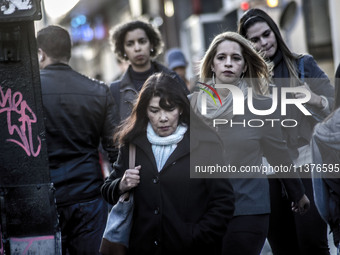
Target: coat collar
[
  {"x": 58, "y": 66},
  {"x": 182, "y": 149},
  {"x": 143, "y": 144}
]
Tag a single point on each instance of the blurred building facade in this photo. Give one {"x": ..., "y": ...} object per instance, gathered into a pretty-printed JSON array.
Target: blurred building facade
[{"x": 309, "y": 26}]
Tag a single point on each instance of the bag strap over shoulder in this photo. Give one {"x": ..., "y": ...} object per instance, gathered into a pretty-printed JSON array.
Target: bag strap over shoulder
[
  {"x": 302, "y": 69},
  {"x": 132, "y": 163},
  {"x": 132, "y": 156}
]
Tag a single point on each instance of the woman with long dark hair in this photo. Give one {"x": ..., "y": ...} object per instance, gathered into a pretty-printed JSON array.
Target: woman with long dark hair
[
  {"x": 289, "y": 233},
  {"x": 173, "y": 213}
]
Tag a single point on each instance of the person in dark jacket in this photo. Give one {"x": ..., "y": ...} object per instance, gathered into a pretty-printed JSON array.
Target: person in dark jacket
[
  {"x": 79, "y": 114},
  {"x": 289, "y": 233},
  {"x": 139, "y": 43},
  {"x": 173, "y": 213},
  {"x": 231, "y": 61},
  {"x": 326, "y": 156},
  {"x": 326, "y": 177}
]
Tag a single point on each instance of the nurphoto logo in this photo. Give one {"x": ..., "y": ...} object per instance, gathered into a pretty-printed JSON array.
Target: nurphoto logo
[
  {"x": 208, "y": 92},
  {"x": 239, "y": 98}
]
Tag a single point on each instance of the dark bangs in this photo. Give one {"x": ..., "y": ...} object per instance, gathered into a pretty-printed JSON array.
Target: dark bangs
[
  {"x": 166, "y": 102},
  {"x": 171, "y": 94}
]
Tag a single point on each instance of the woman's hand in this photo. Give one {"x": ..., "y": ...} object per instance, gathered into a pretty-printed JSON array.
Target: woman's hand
[
  {"x": 315, "y": 99},
  {"x": 130, "y": 179},
  {"x": 301, "y": 206}
]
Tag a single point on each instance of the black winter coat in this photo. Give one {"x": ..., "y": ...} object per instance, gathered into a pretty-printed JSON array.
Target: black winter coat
[
  {"x": 79, "y": 114},
  {"x": 175, "y": 214}
]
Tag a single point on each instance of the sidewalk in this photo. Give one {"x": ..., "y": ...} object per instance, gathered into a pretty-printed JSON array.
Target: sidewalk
[{"x": 332, "y": 249}]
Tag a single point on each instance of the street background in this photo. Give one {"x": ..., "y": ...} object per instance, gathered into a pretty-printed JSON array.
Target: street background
[{"x": 309, "y": 26}]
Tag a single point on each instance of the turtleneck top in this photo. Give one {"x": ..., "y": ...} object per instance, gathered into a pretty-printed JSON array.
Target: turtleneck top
[{"x": 138, "y": 78}]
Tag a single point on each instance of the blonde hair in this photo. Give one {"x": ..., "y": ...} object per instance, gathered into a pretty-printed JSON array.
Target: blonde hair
[{"x": 258, "y": 70}]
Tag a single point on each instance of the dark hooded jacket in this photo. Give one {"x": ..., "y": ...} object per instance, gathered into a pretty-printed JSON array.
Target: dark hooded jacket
[{"x": 326, "y": 174}]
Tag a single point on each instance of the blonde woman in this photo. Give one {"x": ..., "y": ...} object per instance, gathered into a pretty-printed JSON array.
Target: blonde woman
[{"x": 231, "y": 60}]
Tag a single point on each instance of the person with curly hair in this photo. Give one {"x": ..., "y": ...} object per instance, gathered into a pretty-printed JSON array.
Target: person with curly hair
[{"x": 139, "y": 43}]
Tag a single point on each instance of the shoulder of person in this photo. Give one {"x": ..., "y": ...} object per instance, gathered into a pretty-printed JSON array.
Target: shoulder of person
[
  {"x": 115, "y": 92},
  {"x": 98, "y": 82},
  {"x": 307, "y": 60},
  {"x": 93, "y": 81},
  {"x": 115, "y": 84},
  {"x": 159, "y": 67},
  {"x": 193, "y": 95},
  {"x": 121, "y": 79},
  {"x": 330, "y": 125},
  {"x": 312, "y": 69}
]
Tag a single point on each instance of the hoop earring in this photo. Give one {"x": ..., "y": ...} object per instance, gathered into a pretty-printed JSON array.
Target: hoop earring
[
  {"x": 242, "y": 75},
  {"x": 213, "y": 78}
]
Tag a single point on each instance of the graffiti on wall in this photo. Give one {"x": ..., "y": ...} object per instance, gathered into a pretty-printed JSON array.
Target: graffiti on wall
[
  {"x": 33, "y": 245},
  {"x": 19, "y": 127},
  {"x": 10, "y": 6}
]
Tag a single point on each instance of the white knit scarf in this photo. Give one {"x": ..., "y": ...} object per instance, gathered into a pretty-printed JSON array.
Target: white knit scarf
[{"x": 162, "y": 147}]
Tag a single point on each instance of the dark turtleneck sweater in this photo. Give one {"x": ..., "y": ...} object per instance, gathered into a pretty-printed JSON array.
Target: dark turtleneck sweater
[{"x": 138, "y": 78}]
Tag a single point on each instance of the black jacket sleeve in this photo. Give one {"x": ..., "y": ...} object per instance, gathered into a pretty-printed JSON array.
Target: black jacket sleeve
[
  {"x": 318, "y": 82},
  {"x": 110, "y": 123}
]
